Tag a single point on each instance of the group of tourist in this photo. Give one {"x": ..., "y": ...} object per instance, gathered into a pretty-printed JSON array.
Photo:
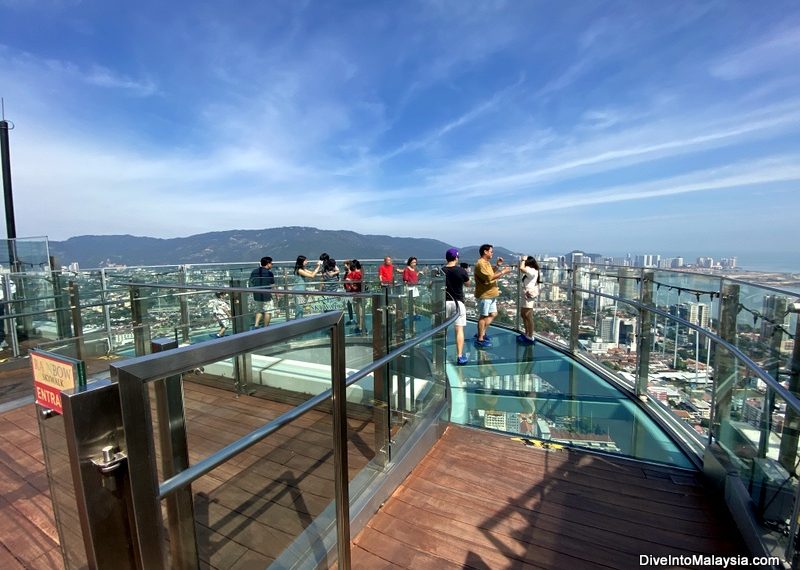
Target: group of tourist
[
  {"x": 327, "y": 272},
  {"x": 486, "y": 293}
]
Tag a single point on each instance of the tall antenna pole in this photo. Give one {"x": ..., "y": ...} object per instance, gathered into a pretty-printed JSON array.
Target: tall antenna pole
[{"x": 5, "y": 162}]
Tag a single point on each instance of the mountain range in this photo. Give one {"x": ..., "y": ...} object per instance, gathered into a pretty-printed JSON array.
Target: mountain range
[{"x": 282, "y": 244}]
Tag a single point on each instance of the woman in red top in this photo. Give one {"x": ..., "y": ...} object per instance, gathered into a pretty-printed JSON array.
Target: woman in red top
[
  {"x": 411, "y": 276},
  {"x": 352, "y": 284},
  {"x": 411, "y": 279}
]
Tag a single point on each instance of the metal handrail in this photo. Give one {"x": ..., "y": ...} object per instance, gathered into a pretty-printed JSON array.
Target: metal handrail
[
  {"x": 200, "y": 468},
  {"x": 771, "y": 382},
  {"x": 677, "y": 272},
  {"x": 314, "y": 292}
]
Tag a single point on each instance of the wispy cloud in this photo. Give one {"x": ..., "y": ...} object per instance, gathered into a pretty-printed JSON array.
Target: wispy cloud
[
  {"x": 776, "y": 51},
  {"x": 760, "y": 173},
  {"x": 635, "y": 146},
  {"x": 103, "y": 77}
]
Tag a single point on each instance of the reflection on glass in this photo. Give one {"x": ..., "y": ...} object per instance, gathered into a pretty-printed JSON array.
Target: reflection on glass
[{"x": 534, "y": 391}]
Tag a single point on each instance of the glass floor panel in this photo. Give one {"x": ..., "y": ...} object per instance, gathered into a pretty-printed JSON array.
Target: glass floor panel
[{"x": 540, "y": 393}]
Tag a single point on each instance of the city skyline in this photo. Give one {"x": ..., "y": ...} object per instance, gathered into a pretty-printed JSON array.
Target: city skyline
[{"x": 662, "y": 129}]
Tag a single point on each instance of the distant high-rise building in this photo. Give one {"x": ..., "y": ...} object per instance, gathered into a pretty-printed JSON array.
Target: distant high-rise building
[
  {"x": 627, "y": 331},
  {"x": 495, "y": 420},
  {"x": 609, "y": 329},
  {"x": 707, "y": 262},
  {"x": 647, "y": 260},
  {"x": 699, "y": 314},
  {"x": 677, "y": 262}
]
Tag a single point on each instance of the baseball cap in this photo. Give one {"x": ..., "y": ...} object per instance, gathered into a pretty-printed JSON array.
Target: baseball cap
[{"x": 451, "y": 254}]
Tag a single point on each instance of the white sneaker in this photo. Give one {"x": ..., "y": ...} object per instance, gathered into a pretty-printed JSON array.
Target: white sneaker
[{"x": 3, "y": 344}]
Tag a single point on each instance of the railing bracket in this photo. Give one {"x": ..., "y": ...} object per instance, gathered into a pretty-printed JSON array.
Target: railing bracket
[{"x": 110, "y": 460}]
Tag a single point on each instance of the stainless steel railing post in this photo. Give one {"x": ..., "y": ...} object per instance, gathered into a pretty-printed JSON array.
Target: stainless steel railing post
[
  {"x": 242, "y": 363},
  {"x": 183, "y": 304},
  {"x": 380, "y": 380},
  {"x": 575, "y": 310},
  {"x": 95, "y": 441},
  {"x": 725, "y": 371},
  {"x": 174, "y": 459},
  {"x": 339, "y": 401},
  {"x": 106, "y": 309},
  {"x": 77, "y": 320},
  {"x": 518, "y": 298},
  {"x": 787, "y": 456},
  {"x": 138, "y": 316},
  {"x": 645, "y": 340}
]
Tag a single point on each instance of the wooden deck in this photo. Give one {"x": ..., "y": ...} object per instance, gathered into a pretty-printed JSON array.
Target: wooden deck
[
  {"x": 478, "y": 500},
  {"x": 248, "y": 510},
  {"x": 482, "y": 500},
  {"x": 28, "y": 536}
]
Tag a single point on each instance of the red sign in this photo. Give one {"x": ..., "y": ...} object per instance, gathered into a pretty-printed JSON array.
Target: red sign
[
  {"x": 51, "y": 375},
  {"x": 48, "y": 397}
]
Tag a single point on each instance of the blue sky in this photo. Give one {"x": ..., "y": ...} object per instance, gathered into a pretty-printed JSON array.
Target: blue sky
[{"x": 663, "y": 127}]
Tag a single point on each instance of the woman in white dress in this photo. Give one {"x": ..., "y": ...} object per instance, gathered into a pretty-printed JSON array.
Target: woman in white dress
[{"x": 531, "y": 277}]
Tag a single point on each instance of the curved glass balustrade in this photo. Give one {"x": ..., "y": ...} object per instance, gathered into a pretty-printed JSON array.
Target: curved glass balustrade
[
  {"x": 539, "y": 392},
  {"x": 662, "y": 335}
]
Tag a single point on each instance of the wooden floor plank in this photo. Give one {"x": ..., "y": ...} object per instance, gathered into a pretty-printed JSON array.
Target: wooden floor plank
[{"x": 480, "y": 499}]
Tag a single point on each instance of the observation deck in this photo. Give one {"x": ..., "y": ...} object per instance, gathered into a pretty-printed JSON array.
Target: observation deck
[{"x": 314, "y": 442}]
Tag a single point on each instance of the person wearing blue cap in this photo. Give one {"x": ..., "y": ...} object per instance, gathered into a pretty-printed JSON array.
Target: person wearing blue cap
[{"x": 455, "y": 277}]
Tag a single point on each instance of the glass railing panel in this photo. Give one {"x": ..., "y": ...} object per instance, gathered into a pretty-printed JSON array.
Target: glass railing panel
[
  {"x": 417, "y": 389},
  {"x": 536, "y": 392},
  {"x": 94, "y": 301},
  {"x": 275, "y": 495},
  {"x": 41, "y": 303},
  {"x": 624, "y": 282},
  {"x": 97, "y": 349},
  {"x": 773, "y": 480},
  {"x": 752, "y": 425},
  {"x": 765, "y": 325},
  {"x": 52, "y": 433},
  {"x": 608, "y": 331},
  {"x": 551, "y": 312},
  {"x": 690, "y": 296},
  {"x": 367, "y": 437},
  {"x": 25, "y": 254}
]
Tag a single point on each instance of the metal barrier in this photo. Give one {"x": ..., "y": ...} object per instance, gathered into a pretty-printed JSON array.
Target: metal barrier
[{"x": 109, "y": 426}]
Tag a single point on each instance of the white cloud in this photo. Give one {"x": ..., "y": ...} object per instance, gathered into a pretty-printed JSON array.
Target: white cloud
[
  {"x": 776, "y": 51},
  {"x": 103, "y": 77},
  {"x": 489, "y": 175},
  {"x": 760, "y": 173}
]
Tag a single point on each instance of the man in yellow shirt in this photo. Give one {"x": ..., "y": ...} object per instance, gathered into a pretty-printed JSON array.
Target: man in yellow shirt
[{"x": 487, "y": 291}]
